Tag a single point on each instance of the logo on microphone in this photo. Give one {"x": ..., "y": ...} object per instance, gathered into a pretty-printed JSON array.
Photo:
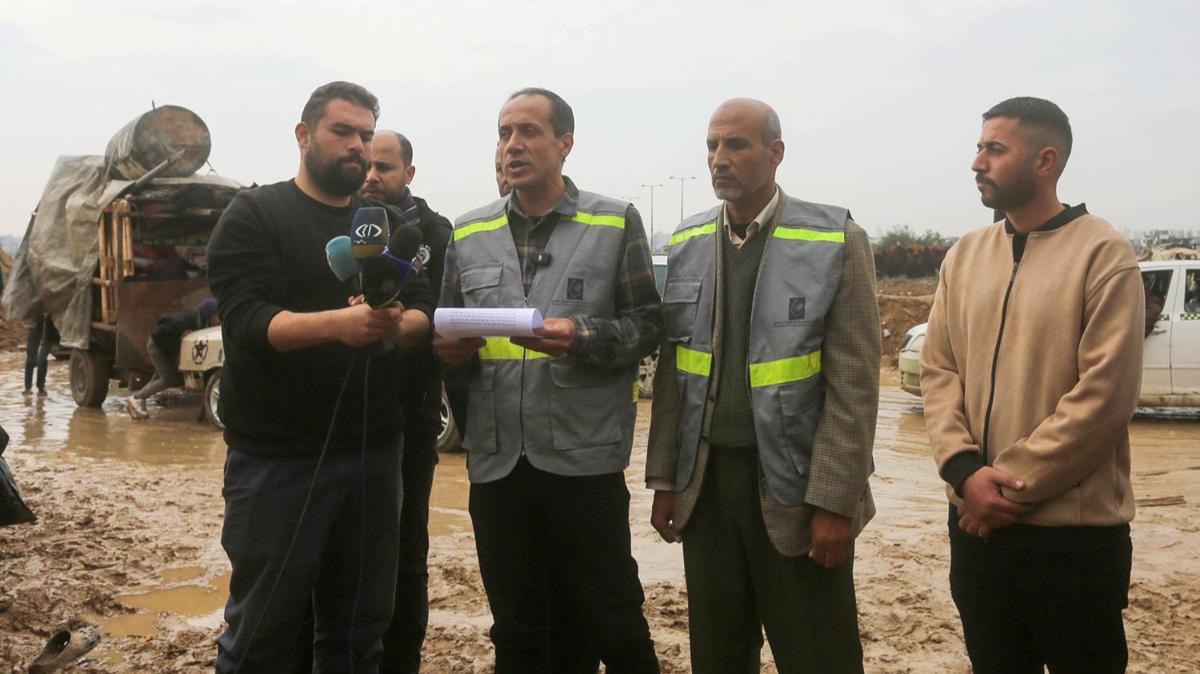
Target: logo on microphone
[{"x": 368, "y": 230}]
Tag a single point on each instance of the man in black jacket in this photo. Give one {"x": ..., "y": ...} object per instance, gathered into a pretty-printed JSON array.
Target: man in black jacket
[
  {"x": 312, "y": 408},
  {"x": 390, "y": 173}
]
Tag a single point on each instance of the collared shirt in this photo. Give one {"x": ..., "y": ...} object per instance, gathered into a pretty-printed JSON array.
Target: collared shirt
[
  {"x": 600, "y": 342},
  {"x": 755, "y": 224}
]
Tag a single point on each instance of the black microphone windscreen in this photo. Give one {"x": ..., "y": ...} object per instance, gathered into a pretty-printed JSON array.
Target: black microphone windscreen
[
  {"x": 405, "y": 242},
  {"x": 381, "y": 282}
]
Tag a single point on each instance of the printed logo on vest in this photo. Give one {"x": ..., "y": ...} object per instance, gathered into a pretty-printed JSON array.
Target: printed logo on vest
[
  {"x": 575, "y": 289},
  {"x": 796, "y": 309}
]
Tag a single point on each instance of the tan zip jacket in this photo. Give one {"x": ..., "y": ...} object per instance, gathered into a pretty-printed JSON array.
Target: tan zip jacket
[{"x": 1067, "y": 366}]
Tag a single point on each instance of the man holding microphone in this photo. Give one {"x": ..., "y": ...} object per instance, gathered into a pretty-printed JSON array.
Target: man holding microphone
[{"x": 313, "y": 420}]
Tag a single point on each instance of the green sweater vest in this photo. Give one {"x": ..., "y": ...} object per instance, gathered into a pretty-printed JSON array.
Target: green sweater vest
[{"x": 733, "y": 420}]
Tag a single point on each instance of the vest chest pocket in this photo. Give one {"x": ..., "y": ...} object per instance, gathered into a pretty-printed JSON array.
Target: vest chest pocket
[
  {"x": 681, "y": 301},
  {"x": 481, "y": 286}
]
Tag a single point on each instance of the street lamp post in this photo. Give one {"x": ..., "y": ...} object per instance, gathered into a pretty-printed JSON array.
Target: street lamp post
[
  {"x": 681, "y": 179},
  {"x": 652, "y": 211}
]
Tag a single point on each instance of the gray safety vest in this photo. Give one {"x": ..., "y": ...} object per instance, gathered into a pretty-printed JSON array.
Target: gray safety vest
[
  {"x": 566, "y": 416},
  {"x": 799, "y": 276}
]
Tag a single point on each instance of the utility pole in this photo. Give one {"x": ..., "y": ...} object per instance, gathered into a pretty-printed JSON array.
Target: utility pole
[
  {"x": 681, "y": 180},
  {"x": 652, "y": 211}
]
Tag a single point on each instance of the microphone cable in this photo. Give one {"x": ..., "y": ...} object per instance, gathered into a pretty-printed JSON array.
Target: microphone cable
[
  {"x": 304, "y": 511},
  {"x": 362, "y": 506}
]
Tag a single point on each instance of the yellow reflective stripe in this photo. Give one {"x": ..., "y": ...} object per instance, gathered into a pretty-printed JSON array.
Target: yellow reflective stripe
[
  {"x": 476, "y": 227},
  {"x": 784, "y": 370},
  {"x": 500, "y": 348},
  {"x": 635, "y": 390},
  {"x": 692, "y": 361},
  {"x": 680, "y": 237},
  {"x": 802, "y": 234},
  {"x": 597, "y": 219}
]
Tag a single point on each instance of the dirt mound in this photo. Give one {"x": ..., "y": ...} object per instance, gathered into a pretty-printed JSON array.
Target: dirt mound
[{"x": 897, "y": 315}]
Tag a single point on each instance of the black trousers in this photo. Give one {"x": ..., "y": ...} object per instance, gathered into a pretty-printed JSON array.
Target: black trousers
[
  {"x": 547, "y": 540},
  {"x": 1031, "y": 596},
  {"x": 343, "y": 564},
  {"x": 37, "y": 356},
  {"x": 739, "y": 585},
  {"x": 410, "y": 616}
]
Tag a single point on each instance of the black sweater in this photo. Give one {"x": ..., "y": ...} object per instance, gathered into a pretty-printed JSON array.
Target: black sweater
[
  {"x": 266, "y": 255},
  {"x": 423, "y": 407}
]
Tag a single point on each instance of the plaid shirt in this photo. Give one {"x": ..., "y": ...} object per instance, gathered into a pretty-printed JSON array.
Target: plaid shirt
[{"x": 600, "y": 342}]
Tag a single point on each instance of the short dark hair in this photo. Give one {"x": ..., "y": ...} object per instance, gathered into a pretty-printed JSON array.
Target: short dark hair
[
  {"x": 1049, "y": 122},
  {"x": 314, "y": 109},
  {"x": 562, "y": 118},
  {"x": 406, "y": 150}
]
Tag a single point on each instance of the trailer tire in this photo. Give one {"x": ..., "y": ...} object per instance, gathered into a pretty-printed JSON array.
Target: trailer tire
[
  {"x": 212, "y": 398},
  {"x": 89, "y": 377}
]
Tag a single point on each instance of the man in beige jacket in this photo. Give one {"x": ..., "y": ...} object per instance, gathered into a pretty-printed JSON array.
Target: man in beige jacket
[{"x": 1030, "y": 375}]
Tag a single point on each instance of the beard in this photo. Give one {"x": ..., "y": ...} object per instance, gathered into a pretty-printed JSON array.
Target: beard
[
  {"x": 1009, "y": 196},
  {"x": 340, "y": 177}
]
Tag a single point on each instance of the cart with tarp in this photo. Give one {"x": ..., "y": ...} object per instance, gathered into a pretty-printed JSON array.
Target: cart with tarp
[{"x": 117, "y": 241}]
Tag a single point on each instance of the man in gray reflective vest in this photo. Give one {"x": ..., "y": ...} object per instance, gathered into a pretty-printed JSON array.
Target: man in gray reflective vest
[
  {"x": 551, "y": 417},
  {"x": 766, "y": 395}
]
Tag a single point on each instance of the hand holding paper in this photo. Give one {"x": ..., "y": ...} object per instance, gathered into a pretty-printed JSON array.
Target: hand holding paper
[{"x": 553, "y": 339}]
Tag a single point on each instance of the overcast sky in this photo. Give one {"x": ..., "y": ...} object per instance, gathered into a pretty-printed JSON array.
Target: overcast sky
[{"x": 880, "y": 101}]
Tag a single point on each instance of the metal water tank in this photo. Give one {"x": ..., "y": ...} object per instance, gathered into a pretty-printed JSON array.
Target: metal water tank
[{"x": 154, "y": 137}]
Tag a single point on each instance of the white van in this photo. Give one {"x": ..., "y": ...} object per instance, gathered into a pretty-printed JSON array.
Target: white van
[{"x": 1171, "y": 360}]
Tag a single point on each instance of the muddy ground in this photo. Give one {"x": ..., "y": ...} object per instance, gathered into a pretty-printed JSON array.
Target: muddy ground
[{"x": 131, "y": 517}]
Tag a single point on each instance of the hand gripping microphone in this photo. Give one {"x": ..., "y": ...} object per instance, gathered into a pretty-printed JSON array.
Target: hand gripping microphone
[
  {"x": 369, "y": 232},
  {"x": 383, "y": 277},
  {"x": 342, "y": 262}
]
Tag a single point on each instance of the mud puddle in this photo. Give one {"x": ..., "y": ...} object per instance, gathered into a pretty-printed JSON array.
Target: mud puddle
[{"x": 131, "y": 516}]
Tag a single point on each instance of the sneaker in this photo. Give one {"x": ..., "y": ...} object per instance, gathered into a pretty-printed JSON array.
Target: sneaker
[
  {"x": 41, "y": 390},
  {"x": 137, "y": 409},
  {"x": 28, "y": 392}
]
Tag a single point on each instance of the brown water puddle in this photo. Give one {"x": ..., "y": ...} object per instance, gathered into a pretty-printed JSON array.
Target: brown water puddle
[{"x": 198, "y": 605}]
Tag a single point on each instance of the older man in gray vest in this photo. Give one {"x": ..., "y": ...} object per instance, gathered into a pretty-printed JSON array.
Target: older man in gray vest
[
  {"x": 764, "y": 411},
  {"x": 551, "y": 417}
]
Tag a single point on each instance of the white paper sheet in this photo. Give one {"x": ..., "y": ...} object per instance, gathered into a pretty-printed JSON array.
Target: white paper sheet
[{"x": 458, "y": 323}]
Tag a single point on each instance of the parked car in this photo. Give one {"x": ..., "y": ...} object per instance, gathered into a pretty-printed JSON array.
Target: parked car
[
  {"x": 650, "y": 363},
  {"x": 1171, "y": 358},
  {"x": 201, "y": 356}
]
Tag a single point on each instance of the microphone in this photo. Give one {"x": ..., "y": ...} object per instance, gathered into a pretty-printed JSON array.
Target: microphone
[
  {"x": 402, "y": 251},
  {"x": 381, "y": 282},
  {"x": 342, "y": 263},
  {"x": 369, "y": 232},
  {"x": 384, "y": 276}
]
